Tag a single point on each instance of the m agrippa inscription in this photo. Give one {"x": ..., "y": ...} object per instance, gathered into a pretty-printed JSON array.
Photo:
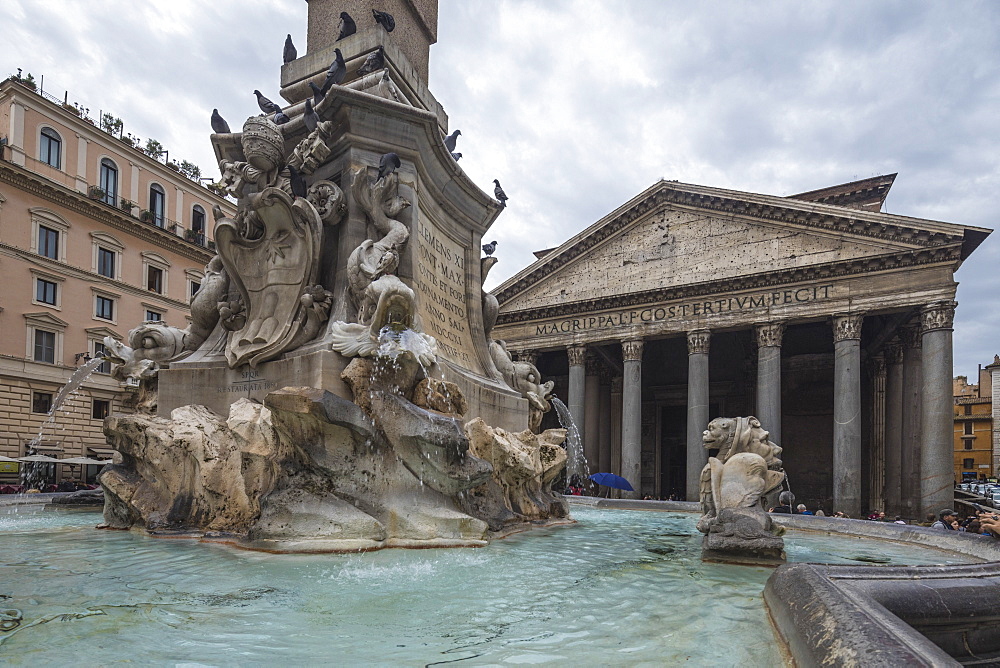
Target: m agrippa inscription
[
  {"x": 443, "y": 304},
  {"x": 698, "y": 308}
]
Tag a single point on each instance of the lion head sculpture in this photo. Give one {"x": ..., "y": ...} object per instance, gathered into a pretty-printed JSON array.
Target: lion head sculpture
[{"x": 731, "y": 436}]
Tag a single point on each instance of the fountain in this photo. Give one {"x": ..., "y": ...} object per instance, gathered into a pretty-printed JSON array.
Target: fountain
[{"x": 337, "y": 388}]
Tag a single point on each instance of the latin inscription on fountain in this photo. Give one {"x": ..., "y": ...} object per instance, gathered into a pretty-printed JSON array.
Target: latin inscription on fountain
[{"x": 440, "y": 278}]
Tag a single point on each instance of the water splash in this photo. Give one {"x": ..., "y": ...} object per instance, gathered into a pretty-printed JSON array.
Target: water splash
[
  {"x": 31, "y": 472},
  {"x": 576, "y": 463}
]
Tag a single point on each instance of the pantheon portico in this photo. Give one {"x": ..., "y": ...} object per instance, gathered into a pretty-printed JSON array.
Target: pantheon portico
[{"x": 827, "y": 319}]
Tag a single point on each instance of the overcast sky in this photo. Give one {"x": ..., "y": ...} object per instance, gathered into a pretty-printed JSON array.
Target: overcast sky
[{"x": 578, "y": 106}]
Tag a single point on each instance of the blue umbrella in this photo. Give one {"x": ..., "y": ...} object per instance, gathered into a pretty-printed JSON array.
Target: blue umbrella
[{"x": 612, "y": 480}]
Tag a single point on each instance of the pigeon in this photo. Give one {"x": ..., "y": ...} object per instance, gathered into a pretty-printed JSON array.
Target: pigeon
[
  {"x": 280, "y": 118},
  {"x": 374, "y": 62},
  {"x": 318, "y": 93},
  {"x": 500, "y": 194},
  {"x": 265, "y": 104},
  {"x": 297, "y": 182},
  {"x": 219, "y": 125},
  {"x": 385, "y": 20},
  {"x": 336, "y": 73},
  {"x": 347, "y": 26},
  {"x": 489, "y": 248},
  {"x": 456, "y": 156},
  {"x": 290, "y": 52},
  {"x": 387, "y": 164},
  {"x": 310, "y": 117},
  {"x": 451, "y": 139}
]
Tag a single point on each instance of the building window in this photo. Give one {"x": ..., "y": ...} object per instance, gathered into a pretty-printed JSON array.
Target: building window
[
  {"x": 100, "y": 409},
  {"x": 968, "y": 429},
  {"x": 157, "y": 204},
  {"x": 968, "y": 463},
  {"x": 105, "y": 308},
  {"x": 195, "y": 287},
  {"x": 968, "y": 445},
  {"x": 968, "y": 409},
  {"x": 99, "y": 349},
  {"x": 45, "y": 291},
  {"x": 41, "y": 402},
  {"x": 109, "y": 181},
  {"x": 154, "y": 279},
  {"x": 198, "y": 224},
  {"x": 45, "y": 346},
  {"x": 106, "y": 262},
  {"x": 48, "y": 242},
  {"x": 153, "y": 316},
  {"x": 50, "y": 148}
]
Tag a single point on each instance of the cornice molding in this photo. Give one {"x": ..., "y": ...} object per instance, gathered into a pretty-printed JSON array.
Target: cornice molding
[
  {"x": 818, "y": 272},
  {"x": 27, "y": 181},
  {"x": 851, "y": 221}
]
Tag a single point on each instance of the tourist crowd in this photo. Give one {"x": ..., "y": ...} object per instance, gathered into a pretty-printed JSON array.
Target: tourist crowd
[{"x": 985, "y": 521}]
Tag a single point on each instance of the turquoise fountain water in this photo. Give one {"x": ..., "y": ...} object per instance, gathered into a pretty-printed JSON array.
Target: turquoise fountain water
[{"x": 619, "y": 587}]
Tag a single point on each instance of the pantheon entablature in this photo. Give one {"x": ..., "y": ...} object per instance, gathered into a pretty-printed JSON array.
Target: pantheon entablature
[{"x": 824, "y": 317}]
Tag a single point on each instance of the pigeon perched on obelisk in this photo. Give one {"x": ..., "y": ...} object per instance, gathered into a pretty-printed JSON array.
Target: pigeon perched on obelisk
[
  {"x": 347, "y": 26},
  {"x": 219, "y": 125},
  {"x": 387, "y": 165},
  {"x": 500, "y": 194},
  {"x": 489, "y": 248},
  {"x": 385, "y": 20},
  {"x": 290, "y": 53}
]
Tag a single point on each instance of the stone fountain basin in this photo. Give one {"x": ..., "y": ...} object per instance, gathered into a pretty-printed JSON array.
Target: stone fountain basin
[{"x": 621, "y": 587}]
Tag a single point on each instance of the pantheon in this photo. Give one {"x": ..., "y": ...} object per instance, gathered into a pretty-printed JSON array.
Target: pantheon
[{"x": 826, "y": 318}]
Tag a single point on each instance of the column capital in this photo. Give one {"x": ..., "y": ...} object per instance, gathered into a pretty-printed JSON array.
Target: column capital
[
  {"x": 878, "y": 365},
  {"x": 577, "y": 355},
  {"x": 616, "y": 384},
  {"x": 769, "y": 334},
  {"x": 529, "y": 356},
  {"x": 632, "y": 350},
  {"x": 910, "y": 336},
  {"x": 938, "y": 315},
  {"x": 698, "y": 341},
  {"x": 893, "y": 351},
  {"x": 847, "y": 326}
]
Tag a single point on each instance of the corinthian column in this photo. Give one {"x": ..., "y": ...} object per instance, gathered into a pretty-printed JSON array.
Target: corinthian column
[
  {"x": 769, "y": 377},
  {"x": 909, "y": 460},
  {"x": 577, "y": 396},
  {"x": 591, "y": 412},
  {"x": 893, "y": 425},
  {"x": 697, "y": 416},
  {"x": 847, "y": 413},
  {"x": 876, "y": 459},
  {"x": 632, "y": 416},
  {"x": 937, "y": 478}
]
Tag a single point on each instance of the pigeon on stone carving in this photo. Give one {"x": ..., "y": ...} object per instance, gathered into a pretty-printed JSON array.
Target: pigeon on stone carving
[
  {"x": 318, "y": 93},
  {"x": 219, "y": 125},
  {"x": 500, "y": 194},
  {"x": 290, "y": 53},
  {"x": 279, "y": 118},
  {"x": 385, "y": 20},
  {"x": 456, "y": 156},
  {"x": 451, "y": 140},
  {"x": 336, "y": 73},
  {"x": 310, "y": 117},
  {"x": 387, "y": 164},
  {"x": 489, "y": 248},
  {"x": 374, "y": 62},
  {"x": 265, "y": 104},
  {"x": 297, "y": 182},
  {"x": 347, "y": 26}
]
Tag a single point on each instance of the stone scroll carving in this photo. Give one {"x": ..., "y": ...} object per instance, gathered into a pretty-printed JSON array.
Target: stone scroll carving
[
  {"x": 732, "y": 485},
  {"x": 938, "y": 315}
]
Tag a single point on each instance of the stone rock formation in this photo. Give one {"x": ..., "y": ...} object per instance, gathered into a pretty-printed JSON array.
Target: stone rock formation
[{"x": 733, "y": 484}]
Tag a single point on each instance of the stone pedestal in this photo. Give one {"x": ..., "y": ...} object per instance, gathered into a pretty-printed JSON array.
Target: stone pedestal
[
  {"x": 697, "y": 412},
  {"x": 937, "y": 478},
  {"x": 769, "y": 377},
  {"x": 847, "y": 414},
  {"x": 632, "y": 417}
]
